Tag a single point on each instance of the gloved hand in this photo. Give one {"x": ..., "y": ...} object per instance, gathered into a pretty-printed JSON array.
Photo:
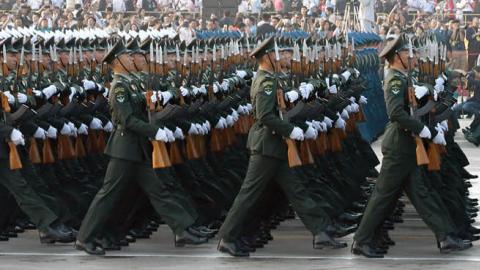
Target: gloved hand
[
  {"x": 249, "y": 107},
  {"x": 17, "y": 137},
  {"x": 444, "y": 125},
  {"x": 22, "y": 98},
  {"x": 154, "y": 97},
  {"x": 234, "y": 115},
  {"x": 355, "y": 107},
  {"x": 363, "y": 100},
  {"x": 420, "y": 91},
  {"x": 161, "y": 135},
  {"x": 311, "y": 133},
  {"x": 65, "y": 130},
  {"x": 96, "y": 124},
  {"x": 230, "y": 121},
  {"x": 88, "y": 85},
  {"x": 216, "y": 87},
  {"x": 425, "y": 133},
  {"x": 305, "y": 89},
  {"x": 241, "y": 73},
  {"x": 345, "y": 114},
  {"x": 10, "y": 97},
  {"x": 340, "y": 123},
  {"x": 221, "y": 124},
  {"x": 346, "y": 75},
  {"x": 169, "y": 134},
  {"x": 332, "y": 89},
  {"x": 202, "y": 89},
  {"x": 195, "y": 90},
  {"x": 83, "y": 129},
  {"x": 440, "y": 137},
  {"x": 178, "y": 134},
  {"x": 439, "y": 80},
  {"x": 225, "y": 86},
  {"x": 349, "y": 109},
  {"x": 73, "y": 91},
  {"x": 291, "y": 96},
  {"x": 200, "y": 129},
  {"x": 49, "y": 91},
  {"x": 328, "y": 121},
  {"x": 317, "y": 125},
  {"x": 193, "y": 129},
  {"x": 208, "y": 125},
  {"x": 297, "y": 134},
  {"x": 108, "y": 127},
  {"x": 184, "y": 91},
  {"x": 105, "y": 93},
  {"x": 40, "y": 133},
  {"x": 52, "y": 132},
  {"x": 73, "y": 129}
]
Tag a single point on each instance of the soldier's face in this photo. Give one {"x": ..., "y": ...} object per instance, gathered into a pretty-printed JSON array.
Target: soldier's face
[{"x": 140, "y": 61}]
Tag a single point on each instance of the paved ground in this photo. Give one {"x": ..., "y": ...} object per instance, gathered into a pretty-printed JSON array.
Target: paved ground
[{"x": 291, "y": 249}]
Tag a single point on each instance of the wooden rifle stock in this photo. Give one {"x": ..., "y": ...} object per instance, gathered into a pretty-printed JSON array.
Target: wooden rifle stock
[
  {"x": 422, "y": 157},
  {"x": 305, "y": 153},
  {"x": 160, "y": 157},
  {"x": 293, "y": 155},
  {"x": 14, "y": 157},
  {"x": 335, "y": 143},
  {"x": 47, "y": 153},
  {"x": 5, "y": 106},
  {"x": 65, "y": 147},
  {"x": 215, "y": 141},
  {"x": 80, "y": 147},
  {"x": 33, "y": 153},
  {"x": 175, "y": 154},
  {"x": 191, "y": 150},
  {"x": 433, "y": 157},
  {"x": 101, "y": 142}
]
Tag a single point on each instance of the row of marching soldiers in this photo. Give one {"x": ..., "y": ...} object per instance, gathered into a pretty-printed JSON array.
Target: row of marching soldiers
[{"x": 173, "y": 119}]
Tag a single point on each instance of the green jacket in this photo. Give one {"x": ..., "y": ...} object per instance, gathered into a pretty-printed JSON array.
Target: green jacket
[
  {"x": 130, "y": 137},
  {"x": 398, "y": 135},
  {"x": 267, "y": 133}
]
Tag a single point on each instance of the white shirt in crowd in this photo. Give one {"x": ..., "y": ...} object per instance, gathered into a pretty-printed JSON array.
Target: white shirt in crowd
[
  {"x": 256, "y": 6},
  {"x": 243, "y": 6},
  {"x": 119, "y": 6},
  {"x": 35, "y": 4},
  {"x": 465, "y": 5},
  {"x": 58, "y": 3}
]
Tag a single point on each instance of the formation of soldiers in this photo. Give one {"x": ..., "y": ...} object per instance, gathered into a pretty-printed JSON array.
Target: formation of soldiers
[{"x": 182, "y": 126}]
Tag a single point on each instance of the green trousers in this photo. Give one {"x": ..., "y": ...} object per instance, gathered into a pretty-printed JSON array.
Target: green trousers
[
  {"x": 262, "y": 170},
  {"x": 401, "y": 173},
  {"x": 119, "y": 173},
  {"x": 28, "y": 200}
]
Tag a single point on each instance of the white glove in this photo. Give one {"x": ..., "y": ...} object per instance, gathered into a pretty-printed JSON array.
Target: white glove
[
  {"x": 10, "y": 97},
  {"x": 49, "y": 91},
  {"x": 249, "y": 107},
  {"x": 440, "y": 137},
  {"x": 200, "y": 129},
  {"x": 51, "y": 132},
  {"x": 193, "y": 129},
  {"x": 22, "y": 98},
  {"x": 346, "y": 75},
  {"x": 96, "y": 123},
  {"x": 37, "y": 93},
  {"x": 332, "y": 89},
  {"x": 161, "y": 135},
  {"x": 105, "y": 93},
  {"x": 425, "y": 133},
  {"x": 444, "y": 125},
  {"x": 230, "y": 121},
  {"x": 349, "y": 108},
  {"x": 195, "y": 90},
  {"x": 83, "y": 129},
  {"x": 356, "y": 72},
  {"x": 221, "y": 124},
  {"x": 40, "y": 133},
  {"x": 108, "y": 127},
  {"x": 202, "y": 89},
  {"x": 311, "y": 132},
  {"x": 216, "y": 87},
  {"x": 355, "y": 107},
  {"x": 73, "y": 91},
  {"x": 87, "y": 84},
  {"x": 242, "y": 109},
  {"x": 340, "y": 123},
  {"x": 363, "y": 100},
  {"x": 207, "y": 124},
  {"x": 328, "y": 121},
  {"x": 316, "y": 125},
  {"x": 234, "y": 115},
  {"x": 169, "y": 133},
  {"x": 439, "y": 88},
  {"x": 17, "y": 137},
  {"x": 292, "y": 96},
  {"x": 184, "y": 91},
  {"x": 65, "y": 130},
  {"x": 305, "y": 89},
  {"x": 439, "y": 81},
  {"x": 154, "y": 97},
  {"x": 420, "y": 91},
  {"x": 241, "y": 73},
  {"x": 297, "y": 134},
  {"x": 323, "y": 126},
  {"x": 225, "y": 85},
  {"x": 345, "y": 114},
  {"x": 352, "y": 99},
  {"x": 178, "y": 134},
  {"x": 73, "y": 129}
]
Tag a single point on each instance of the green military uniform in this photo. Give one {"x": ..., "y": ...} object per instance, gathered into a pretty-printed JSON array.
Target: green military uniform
[
  {"x": 399, "y": 170},
  {"x": 268, "y": 162},
  {"x": 130, "y": 151}
]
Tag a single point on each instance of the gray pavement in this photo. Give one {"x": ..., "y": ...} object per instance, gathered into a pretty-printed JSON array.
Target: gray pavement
[{"x": 291, "y": 249}]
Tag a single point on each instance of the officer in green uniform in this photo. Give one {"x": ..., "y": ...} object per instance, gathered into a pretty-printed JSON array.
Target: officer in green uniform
[
  {"x": 399, "y": 170},
  {"x": 268, "y": 161},
  {"x": 130, "y": 153}
]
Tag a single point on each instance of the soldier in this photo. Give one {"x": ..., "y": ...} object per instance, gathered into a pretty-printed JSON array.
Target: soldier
[
  {"x": 399, "y": 170},
  {"x": 130, "y": 151},
  {"x": 268, "y": 154}
]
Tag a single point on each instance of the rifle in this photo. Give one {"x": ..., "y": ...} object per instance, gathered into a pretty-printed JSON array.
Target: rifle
[
  {"x": 422, "y": 158},
  {"x": 160, "y": 158}
]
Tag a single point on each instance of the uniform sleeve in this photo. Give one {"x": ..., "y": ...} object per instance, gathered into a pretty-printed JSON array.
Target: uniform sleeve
[
  {"x": 123, "y": 108},
  {"x": 5, "y": 131},
  {"x": 395, "y": 99},
  {"x": 266, "y": 110}
]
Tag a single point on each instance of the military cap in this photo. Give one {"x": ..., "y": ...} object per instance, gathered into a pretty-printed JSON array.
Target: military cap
[
  {"x": 117, "y": 49},
  {"x": 268, "y": 45},
  {"x": 394, "y": 44}
]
